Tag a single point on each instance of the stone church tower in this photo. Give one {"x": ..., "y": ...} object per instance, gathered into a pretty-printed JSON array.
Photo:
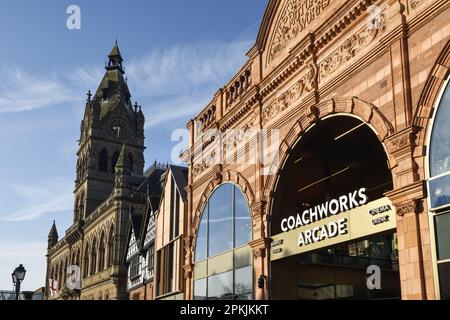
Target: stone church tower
[
  {"x": 109, "y": 121},
  {"x": 110, "y": 165}
]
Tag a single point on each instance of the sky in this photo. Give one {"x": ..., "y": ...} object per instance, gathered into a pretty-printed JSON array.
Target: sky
[{"x": 177, "y": 53}]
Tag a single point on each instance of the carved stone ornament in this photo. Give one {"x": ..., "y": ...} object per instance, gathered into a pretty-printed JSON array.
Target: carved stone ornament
[
  {"x": 287, "y": 98},
  {"x": 349, "y": 49},
  {"x": 414, "y": 206},
  {"x": 295, "y": 18}
]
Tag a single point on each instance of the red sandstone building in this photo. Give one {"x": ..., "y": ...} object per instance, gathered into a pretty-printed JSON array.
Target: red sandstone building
[{"x": 348, "y": 101}]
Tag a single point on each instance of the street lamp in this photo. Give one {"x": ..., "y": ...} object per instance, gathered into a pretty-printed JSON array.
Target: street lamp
[{"x": 17, "y": 277}]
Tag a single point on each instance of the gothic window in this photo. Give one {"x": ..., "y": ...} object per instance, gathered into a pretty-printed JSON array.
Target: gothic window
[
  {"x": 94, "y": 257},
  {"x": 225, "y": 227},
  {"x": 76, "y": 210},
  {"x": 130, "y": 159},
  {"x": 86, "y": 262},
  {"x": 103, "y": 161},
  {"x": 111, "y": 247},
  {"x": 101, "y": 253},
  {"x": 115, "y": 157},
  {"x": 78, "y": 170},
  {"x": 60, "y": 274},
  {"x": 64, "y": 273},
  {"x": 81, "y": 207}
]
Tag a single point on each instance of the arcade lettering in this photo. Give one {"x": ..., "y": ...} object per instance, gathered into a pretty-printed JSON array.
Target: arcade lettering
[
  {"x": 325, "y": 210},
  {"x": 329, "y": 230}
]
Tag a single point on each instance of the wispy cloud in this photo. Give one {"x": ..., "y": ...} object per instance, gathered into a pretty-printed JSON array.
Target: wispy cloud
[
  {"x": 176, "y": 80},
  {"x": 88, "y": 78},
  {"x": 53, "y": 196},
  {"x": 171, "y": 109},
  {"x": 21, "y": 91},
  {"x": 181, "y": 69}
]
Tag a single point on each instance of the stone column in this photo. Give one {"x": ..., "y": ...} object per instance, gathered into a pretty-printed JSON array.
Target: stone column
[
  {"x": 409, "y": 198},
  {"x": 260, "y": 248}
]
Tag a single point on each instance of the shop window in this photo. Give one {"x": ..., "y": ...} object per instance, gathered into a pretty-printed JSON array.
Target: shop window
[
  {"x": 243, "y": 283},
  {"x": 224, "y": 230},
  {"x": 442, "y": 222},
  {"x": 200, "y": 289},
  {"x": 220, "y": 286},
  {"x": 444, "y": 280}
]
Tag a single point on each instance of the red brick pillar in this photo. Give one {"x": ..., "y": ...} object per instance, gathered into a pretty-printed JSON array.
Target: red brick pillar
[
  {"x": 260, "y": 247},
  {"x": 409, "y": 198}
]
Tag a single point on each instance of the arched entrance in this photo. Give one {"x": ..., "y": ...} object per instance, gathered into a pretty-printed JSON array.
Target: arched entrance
[{"x": 330, "y": 220}]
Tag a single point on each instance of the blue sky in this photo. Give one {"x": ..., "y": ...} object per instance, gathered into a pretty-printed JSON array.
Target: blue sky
[{"x": 176, "y": 52}]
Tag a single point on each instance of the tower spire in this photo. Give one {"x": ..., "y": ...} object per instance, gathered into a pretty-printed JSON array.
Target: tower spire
[
  {"x": 52, "y": 236},
  {"x": 115, "y": 59}
]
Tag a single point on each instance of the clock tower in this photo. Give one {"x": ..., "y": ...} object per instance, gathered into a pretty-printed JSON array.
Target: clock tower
[{"x": 110, "y": 120}]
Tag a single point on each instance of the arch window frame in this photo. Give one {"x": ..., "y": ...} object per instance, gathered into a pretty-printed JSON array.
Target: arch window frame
[
  {"x": 103, "y": 160},
  {"x": 436, "y": 212},
  {"x": 232, "y": 275}
]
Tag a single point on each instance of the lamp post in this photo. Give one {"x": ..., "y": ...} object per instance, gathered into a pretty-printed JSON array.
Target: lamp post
[{"x": 17, "y": 277}]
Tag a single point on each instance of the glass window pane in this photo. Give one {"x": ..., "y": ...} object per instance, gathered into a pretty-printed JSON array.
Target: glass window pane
[
  {"x": 440, "y": 138},
  {"x": 220, "y": 221},
  {"x": 442, "y": 223},
  {"x": 243, "y": 225},
  {"x": 220, "y": 286},
  {"x": 243, "y": 286},
  {"x": 200, "y": 247},
  {"x": 439, "y": 191},
  {"x": 444, "y": 280},
  {"x": 200, "y": 289}
]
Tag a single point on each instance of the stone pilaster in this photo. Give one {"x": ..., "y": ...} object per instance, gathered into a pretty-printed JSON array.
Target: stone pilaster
[
  {"x": 409, "y": 198},
  {"x": 260, "y": 248}
]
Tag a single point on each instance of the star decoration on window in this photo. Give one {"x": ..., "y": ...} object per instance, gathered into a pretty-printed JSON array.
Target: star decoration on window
[{"x": 438, "y": 192}]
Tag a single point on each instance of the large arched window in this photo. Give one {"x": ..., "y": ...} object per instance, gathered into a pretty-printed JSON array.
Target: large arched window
[
  {"x": 114, "y": 159},
  {"x": 439, "y": 189},
  {"x": 131, "y": 160},
  {"x": 103, "y": 161},
  {"x": 221, "y": 250}
]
